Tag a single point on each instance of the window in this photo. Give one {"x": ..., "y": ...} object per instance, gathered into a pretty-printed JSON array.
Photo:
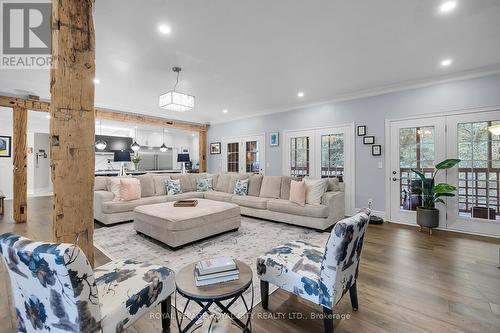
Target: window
[
  {"x": 233, "y": 157},
  {"x": 332, "y": 155},
  {"x": 416, "y": 150},
  {"x": 252, "y": 157},
  {"x": 299, "y": 156},
  {"x": 478, "y": 173}
]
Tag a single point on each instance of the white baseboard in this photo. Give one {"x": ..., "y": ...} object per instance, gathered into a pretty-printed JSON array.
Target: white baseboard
[{"x": 378, "y": 213}]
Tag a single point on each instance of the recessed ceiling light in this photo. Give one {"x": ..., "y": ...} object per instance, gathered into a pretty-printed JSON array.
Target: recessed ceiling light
[
  {"x": 446, "y": 62},
  {"x": 447, "y": 6},
  {"x": 300, "y": 94},
  {"x": 97, "y": 81},
  {"x": 224, "y": 111},
  {"x": 164, "y": 29}
]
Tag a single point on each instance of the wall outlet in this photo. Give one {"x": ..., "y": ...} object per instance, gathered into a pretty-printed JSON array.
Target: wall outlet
[{"x": 370, "y": 203}]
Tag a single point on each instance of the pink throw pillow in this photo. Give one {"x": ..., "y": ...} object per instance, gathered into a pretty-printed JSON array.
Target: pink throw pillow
[
  {"x": 298, "y": 192},
  {"x": 130, "y": 189}
]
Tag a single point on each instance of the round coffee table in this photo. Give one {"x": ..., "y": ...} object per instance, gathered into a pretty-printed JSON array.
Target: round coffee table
[{"x": 207, "y": 296}]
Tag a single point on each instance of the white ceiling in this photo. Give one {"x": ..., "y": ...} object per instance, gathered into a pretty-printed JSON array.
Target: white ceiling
[{"x": 253, "y": 57}]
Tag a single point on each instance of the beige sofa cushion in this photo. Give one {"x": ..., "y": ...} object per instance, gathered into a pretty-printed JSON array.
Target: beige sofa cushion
[
  {"x": 182, "y": 218},
  {"x": 185, "y": 180},
  {"x": 271, "y": 187},
  {"x": 252, "y": 202},
  {"x": 288, "y": 207},
  {"x": 223, "y": 182},
  {"x": 112, "y": 207},
  {"x": 333, "y": 185},
  {"x": 160, "y": 185},
  {"x": 315, "y": 188},
  {"x": 147, "y": 185},
  {"x": 184, "y": 196},
  {"x": 234, "y": 177},
  {"x": 100, "y": 183},
  {"x": 218, "y": 196},
  {"x": 215, "y": 178},
  {"x": 285, "y": 186},
  {"x": 254, "y": 185},
  {"x": 298, "y": 192}
]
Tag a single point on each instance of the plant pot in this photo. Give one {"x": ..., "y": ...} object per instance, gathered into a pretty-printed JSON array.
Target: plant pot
[{"x": 428, "y": 218}]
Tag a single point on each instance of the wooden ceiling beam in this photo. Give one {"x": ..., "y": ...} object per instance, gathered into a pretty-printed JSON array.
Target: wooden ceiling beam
[{"x": 105, "y": 114}]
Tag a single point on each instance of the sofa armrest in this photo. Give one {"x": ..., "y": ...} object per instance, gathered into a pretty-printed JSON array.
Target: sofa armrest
[
  {"x": 101, "y": 197},
  {"x": 336, "y": 205}
]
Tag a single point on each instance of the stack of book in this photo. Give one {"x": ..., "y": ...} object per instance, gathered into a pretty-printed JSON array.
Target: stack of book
[
  {"x": 217, "y": 270},
  {"x": 186, "y": 203}
]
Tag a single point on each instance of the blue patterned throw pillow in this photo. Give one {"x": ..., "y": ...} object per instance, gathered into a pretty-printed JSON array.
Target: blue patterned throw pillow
[
  {"x": 204, "y": 185},
  {"x": 241, "y": 187},
  {"x": 173, "y": 186}
]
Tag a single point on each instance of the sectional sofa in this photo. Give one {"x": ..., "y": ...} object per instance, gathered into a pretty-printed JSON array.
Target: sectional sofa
[{"x": 267, "y": 198}]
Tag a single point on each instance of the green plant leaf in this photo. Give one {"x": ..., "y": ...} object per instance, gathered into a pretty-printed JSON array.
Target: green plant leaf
[
  {"x": 444, "y": 195},
  {"x": 446, "y": 164},
  {"x": 440, "y": 201},
  {"x": 420, "y": 174},
  {"x": 443, "y": 188}
]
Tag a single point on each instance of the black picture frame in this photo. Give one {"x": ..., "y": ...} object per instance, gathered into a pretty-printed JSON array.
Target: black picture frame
[
  {"x": 215, "y": 148},
  {"x": 362, "y": 130},
  {"x": 6, "y": 145},
  {"x": 376, "y": 150},
  {"x": 368, "y": 140}
]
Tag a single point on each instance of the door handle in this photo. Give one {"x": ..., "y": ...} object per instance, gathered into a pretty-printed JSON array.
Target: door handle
[{"x": 394, "y": 179}]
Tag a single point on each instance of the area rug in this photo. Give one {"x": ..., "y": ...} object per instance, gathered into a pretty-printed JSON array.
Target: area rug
[{"x": 252, "y": 239}]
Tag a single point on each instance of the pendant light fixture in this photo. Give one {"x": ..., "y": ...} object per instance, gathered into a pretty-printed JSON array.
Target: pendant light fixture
[
  {"x": 100, "y": 144},
  {"x": 135, "y": 146},
  {"x": 176, "y": 101},
  {"x": 163, "y": 148}
]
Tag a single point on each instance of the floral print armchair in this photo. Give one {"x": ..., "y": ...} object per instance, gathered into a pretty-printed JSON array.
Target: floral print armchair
[
  {"x": 56, "y": 290},
  {"x": 321, "y": 274}
]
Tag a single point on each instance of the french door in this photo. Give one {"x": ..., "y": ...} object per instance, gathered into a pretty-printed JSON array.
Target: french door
[
  {"x": 422, "y": 143},
  {"x": 476, "y": 208},
  {"x": 414, "y": 144},
  {"x": 244, "y": 154},
  {"x": 322, "y": 153}
]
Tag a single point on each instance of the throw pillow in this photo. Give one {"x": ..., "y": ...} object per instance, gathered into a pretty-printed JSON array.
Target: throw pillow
[
  {"x": 204, "y": 184},
  {"x": 130, "y": 189},
  {"x": 315, "y": 188},
  {"x": 114, "y": 187},
  {"x": 173, "y": 186},
  {"x": 298, "y": 192},
  {"x": 241, "y": 187}
]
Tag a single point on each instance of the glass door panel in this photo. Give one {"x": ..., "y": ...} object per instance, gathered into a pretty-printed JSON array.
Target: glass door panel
[
  {"x": 252, "y": 156},
  {"x": 417, "y": 144},
  {"x": 476, "y": 207},
  {"x": 233, "y": 157},
  {"x": 299, "y": 156},
  {"x": 416, "y": 151},
  {"x": 332, "y": 156}
]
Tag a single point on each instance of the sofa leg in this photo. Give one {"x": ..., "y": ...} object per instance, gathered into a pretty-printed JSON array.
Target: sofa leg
[
  {"x": 264, "y": 293},
  {"x": 166, "y": 306},
  {"x": 328, "y": 320},
  {"x": 353, "y": 292}
]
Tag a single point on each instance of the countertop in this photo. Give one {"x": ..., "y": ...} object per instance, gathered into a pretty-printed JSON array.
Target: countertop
[{"x": 134, "y": 172}]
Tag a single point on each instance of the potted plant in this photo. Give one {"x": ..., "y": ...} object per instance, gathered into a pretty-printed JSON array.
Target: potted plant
[
  {"x": 136, "y": 159},
  {"x": 428, "y": 214}
]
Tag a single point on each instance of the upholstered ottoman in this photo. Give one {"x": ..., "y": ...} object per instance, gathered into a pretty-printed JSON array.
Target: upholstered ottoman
[{"x": 177, "y": 226}]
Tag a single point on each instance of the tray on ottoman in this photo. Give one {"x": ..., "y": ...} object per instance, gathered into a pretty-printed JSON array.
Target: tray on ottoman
[{"x": 178, "y": 226}]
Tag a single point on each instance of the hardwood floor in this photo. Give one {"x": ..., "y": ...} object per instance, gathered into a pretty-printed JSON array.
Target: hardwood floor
[{"x": 408, "y": 282}]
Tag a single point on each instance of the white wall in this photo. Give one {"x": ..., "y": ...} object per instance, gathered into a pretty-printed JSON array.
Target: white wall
[{"x": 370, "y": 111}]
